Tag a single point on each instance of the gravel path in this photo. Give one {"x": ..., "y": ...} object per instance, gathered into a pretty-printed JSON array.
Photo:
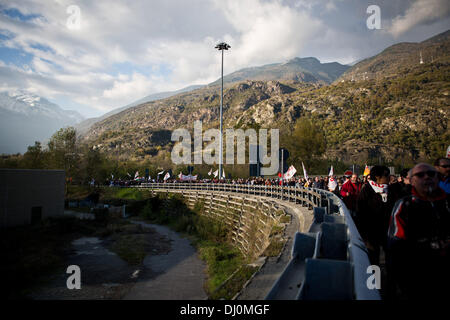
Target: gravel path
[{"x": 180, "y": 274}]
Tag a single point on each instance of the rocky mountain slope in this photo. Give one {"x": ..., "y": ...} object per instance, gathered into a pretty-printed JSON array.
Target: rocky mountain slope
[{"x": 400, "y": 115}]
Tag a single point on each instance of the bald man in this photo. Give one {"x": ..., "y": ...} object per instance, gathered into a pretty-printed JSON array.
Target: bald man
[{"x": 419, "y": 237}]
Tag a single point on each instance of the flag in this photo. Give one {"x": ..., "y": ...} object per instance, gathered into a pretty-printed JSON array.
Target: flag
[
  {"x": 180, "y": 175},
  {"x": 366, "y": 171},
  {"x": 167, "y": 176},
  {"x": 210, "y": 172},
  {"x": 331, "y": 172},
  {"x": 290, "y": 173},
  {"x": 223, "y": 173},
  {"x": 332, "y": 184},
  {"x": 160, "y": 172},
  {"x": 304, "y": 172},
  {"x": 215, "y": 173},
  {"x": 128, "y": 174},
  {"x": 112, "y": 176},
  {"x": 136, "y": 175}
]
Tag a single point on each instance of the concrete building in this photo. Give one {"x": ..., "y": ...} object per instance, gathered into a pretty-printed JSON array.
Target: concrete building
[{"x": 28, "y": 196}]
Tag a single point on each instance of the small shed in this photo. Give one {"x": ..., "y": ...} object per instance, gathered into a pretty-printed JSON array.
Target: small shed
[{"x": 28, "y": 196}]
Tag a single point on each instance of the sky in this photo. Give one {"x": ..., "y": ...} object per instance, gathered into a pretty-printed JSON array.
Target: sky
[{"x": 95, "y": 56}]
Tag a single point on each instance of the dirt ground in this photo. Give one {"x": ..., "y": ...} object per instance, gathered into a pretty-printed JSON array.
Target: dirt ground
[{"x": 104, "y": 275}]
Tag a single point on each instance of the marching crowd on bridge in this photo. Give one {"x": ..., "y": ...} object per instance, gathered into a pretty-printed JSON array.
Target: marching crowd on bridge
[{"x": 405, "y": 219}]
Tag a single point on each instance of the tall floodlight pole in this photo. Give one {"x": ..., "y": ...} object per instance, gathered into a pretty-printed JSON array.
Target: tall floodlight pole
[{"x": 221, "y": 46}]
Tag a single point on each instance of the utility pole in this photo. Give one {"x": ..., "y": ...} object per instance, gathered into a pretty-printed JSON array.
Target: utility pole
[{"x": 221, "y": 46}]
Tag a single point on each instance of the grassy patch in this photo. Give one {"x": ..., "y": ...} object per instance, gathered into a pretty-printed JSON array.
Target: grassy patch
[
  {"x": 222, "y": 260},
  {"x": 234, "y": 284},
  {"x": 276, "y": 230},
  {"x": 285, "y": 219},
  {"x": 274, "y": 249},
  {"x": 77, "y": 192}
]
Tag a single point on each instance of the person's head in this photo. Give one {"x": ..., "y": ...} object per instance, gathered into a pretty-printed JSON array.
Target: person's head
[
  {"x": 424, "y": 178},
  {"x": 380, "y": 174},
  {"x": 443, "y": 166},
  {"x": 316, "y": 179},
  {"x": 392, "y": 179},
  {"x": 404, "y": 177},
  {"x": 354, "y": 177}
]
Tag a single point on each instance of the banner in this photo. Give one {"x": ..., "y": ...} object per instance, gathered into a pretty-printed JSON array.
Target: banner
[
  {"x": 167, "y": 176},
  {"x": 290, "y": 173},
  {"x": 187, "y": 178}
]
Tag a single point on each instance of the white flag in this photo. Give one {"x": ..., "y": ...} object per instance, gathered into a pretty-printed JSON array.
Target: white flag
[
  {"x": 210, "y": 172},
  {"x": 331, "y": 172},
  {"x": 136, "y": 175},
  {"x": 161, "y": 172},
  {"x": 112, "y": 176},
  {"x": 167, "y": 176},
  {"x": 304, "y": 172},
  {"x": 215, "y": 173},
  {"x": 223, "y": 173},
  {"x": 290, "y": 173},
  {"x": 332, "y": 184}
]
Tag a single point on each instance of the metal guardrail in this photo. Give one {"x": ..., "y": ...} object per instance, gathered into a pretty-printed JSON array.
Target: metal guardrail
[
  {"x": 357, "y": 260},
  {"x": 304, "y": 196}
]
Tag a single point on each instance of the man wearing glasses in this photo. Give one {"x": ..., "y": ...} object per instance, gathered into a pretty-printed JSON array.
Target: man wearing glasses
[
  {"x": 418, "y": 239},
  {"x": 443, "y": 166}
]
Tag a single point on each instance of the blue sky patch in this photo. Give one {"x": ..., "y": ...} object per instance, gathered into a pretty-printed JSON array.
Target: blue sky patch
[
  {"x": 14, "y": 56},
  {"x": 16, "y": 14}
]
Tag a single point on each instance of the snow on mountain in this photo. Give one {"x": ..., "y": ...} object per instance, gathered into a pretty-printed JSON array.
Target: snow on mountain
[
  {"x": 26, "y": 118},
  {"x": 33, "y": 105}
]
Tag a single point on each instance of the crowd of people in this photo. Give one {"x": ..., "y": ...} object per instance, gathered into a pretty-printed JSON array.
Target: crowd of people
[{"x": 405, "y": 219}]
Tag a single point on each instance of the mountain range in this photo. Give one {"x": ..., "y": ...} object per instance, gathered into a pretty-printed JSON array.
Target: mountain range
[
  {"x": 26, "y": 118},
  {"x": 394, "y": 105},
  {"x": 398, "y": 111},
  {"x": 297, "y": 69}
]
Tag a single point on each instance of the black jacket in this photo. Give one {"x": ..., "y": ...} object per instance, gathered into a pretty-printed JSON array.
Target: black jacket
[
  {"x": 418, "y": 246},
  {"x": 372, "y": 214}
]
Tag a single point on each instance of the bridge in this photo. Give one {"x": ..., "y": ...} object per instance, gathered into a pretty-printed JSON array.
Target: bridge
[{"x": 328, "y": 260}]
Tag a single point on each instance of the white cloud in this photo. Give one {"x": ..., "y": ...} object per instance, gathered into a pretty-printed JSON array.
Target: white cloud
[
  {"x": 420, "y": 12},
  {"x": 126, "y": 50}
]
